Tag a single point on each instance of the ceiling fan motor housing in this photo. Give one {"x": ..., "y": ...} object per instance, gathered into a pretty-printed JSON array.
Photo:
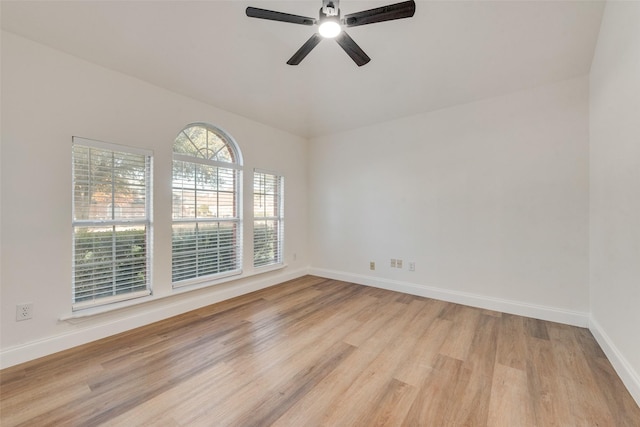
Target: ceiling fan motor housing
[
  {"x": 324, "y": 19},
  {"x": 330, "y": 8}
]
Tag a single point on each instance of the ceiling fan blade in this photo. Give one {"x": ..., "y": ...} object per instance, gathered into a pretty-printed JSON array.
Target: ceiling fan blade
[
  {"x": 254, "y": 12},
  {"x": 352, "y": 49},
  {"x": 405, "y": 9},
  {"x": 305, "y": 49}
]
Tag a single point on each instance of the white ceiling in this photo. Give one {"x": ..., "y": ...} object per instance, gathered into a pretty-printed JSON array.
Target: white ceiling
[{"x": 450, "y": 52}]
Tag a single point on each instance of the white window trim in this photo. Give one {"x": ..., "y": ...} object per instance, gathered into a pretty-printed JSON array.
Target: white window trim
[
  {"x": 280, "y": 219},
  {"x": 148, "y": 222},
  {"x": 237, "y": 166},
  {"x": 104, "y": 309},
  {"x": 199, "y": 160}
]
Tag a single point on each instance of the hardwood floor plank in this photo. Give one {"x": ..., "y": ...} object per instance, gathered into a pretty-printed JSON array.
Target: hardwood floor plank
[
  {"x": 371, "y": 320},
  {"x": 392, "y": 406},
  {"x": 587, "y": 404},
  {"x": 380, "y": 337},
  {"x": 465, "y": 320},
  {"x": 188, "y": 396},
  {"x": 272, "y": 405},
  {"x": 536, "y": 328},
  {"x": 20, "y": 411},
  {"x": 620, "y": 402},
  {"x": 436, "y": 399},
  {"x": 423, "y": 355},
  {"x": 512, "y": 344},
  {"x": 313, "y": 352},
  {"x": 474, "y": 393},
  {"x": 550, "y": 403},
  {"x": 263, "y": 367},
  {"x": 311, "y": 408},
  {"x": 509, "y": 404},
  {"x": 387, "y": 343}
]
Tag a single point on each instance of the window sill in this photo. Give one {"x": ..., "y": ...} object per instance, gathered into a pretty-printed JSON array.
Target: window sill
[
  {"x": 268, "y": 268},
  {"x": 103, "y": 309}
]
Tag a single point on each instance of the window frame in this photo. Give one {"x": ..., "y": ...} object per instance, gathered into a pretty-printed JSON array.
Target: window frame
[
  {"x": 278, "y": 259},
  {"x": 236, "y": 169},
  {"x": 146, "y": 221}
]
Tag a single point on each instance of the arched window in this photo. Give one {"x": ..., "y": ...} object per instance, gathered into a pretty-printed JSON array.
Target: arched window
[{"x": 206, "y": 232}]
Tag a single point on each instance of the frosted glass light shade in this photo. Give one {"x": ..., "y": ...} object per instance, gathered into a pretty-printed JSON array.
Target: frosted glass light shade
[{"x": 329, "y": 29}]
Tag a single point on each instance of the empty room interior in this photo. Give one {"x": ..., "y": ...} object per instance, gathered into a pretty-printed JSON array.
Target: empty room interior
[{"x": 214, "y": 213}]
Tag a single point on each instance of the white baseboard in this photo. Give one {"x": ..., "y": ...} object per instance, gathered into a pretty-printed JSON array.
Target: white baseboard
[
  {"x": 553, "y": 314},
  {"x": 136, "y": 318},
  {"x": 623, "y": 368},
  {"x": 89, "y": 330}
]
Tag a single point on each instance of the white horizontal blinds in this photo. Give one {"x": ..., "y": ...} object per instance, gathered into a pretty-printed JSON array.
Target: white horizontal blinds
[
  {"x": 206, "y": 231},
  {"x": 111, "y": 223},
  {"x": 268, "y": 231}
]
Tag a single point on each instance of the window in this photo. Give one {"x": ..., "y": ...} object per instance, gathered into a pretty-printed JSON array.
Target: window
[
  {"x": 268, "y": 219},
  {"x": 206, "y": 235},
  {"x": 111, "y": 223}
]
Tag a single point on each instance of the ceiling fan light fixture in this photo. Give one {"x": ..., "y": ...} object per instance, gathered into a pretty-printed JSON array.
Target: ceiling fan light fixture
[
  {"x": 329, "y": 29},
  {"x": 331, "y": 25}
]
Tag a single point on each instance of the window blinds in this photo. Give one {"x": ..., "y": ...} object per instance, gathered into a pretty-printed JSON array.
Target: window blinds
[
  {"x": 268, "y": 225},
  {"x": 111, "y": 223},
  {"x": 206, "y": 230}
]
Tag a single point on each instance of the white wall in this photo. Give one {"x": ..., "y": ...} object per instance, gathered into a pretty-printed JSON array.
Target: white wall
[
  {"x": 48, "y": 97},
  {"x": 489, "y": 199},
  {"x": 615, "y": 190}
]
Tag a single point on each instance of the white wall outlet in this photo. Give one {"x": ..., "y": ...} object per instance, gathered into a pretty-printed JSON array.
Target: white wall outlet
[
  {"x": 24, "y": 311},
  {"x": 393, "y": 263},
  {"x": 372, "y": 265},
  {"x": 399, "y": 263},
  {"x": 412, "y": 266}
]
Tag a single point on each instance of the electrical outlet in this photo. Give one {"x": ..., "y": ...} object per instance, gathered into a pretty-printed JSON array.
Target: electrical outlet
[
  {"x": 24, "y": 311},
  {"x": 412, "y": 266},
  {"x": 372, "y": 265},
  {"x": 399, "y": 263},
  {"x": 393, "y": 263}
]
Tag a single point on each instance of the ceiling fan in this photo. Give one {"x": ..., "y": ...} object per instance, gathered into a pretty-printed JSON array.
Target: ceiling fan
[{"x": 330, "y": 25}]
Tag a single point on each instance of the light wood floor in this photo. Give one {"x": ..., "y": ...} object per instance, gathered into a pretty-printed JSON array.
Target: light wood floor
[{"x": 322, "y": 352}]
